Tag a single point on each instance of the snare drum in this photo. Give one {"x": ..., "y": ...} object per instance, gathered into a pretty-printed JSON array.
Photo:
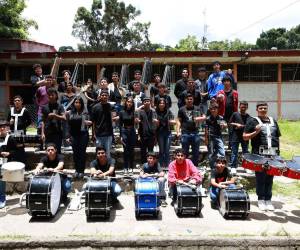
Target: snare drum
[
  {"x": 293, "y": 169},
  {"x": 146, "y": 196},
  {"x": 234, "y": 202},
  {"x": 253, "y": 162},
  {"x": 98, "y": 201},
  {"x": 43, "y": 195},
  {"x": 13, "y": 171}
]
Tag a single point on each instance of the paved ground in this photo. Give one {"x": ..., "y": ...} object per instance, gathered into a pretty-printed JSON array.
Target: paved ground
[{"x": 284, "y": 221}]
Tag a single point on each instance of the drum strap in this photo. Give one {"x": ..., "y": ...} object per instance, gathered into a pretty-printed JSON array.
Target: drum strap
[
  {"x": 268, "y": 128},
  {"x": 12, "y": 111},
  {"x": 4, "y": 143}
]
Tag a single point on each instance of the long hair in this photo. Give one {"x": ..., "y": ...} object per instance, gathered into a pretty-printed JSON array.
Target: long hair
[
  {"x": 125, "y": 104},
  {"x": 82, "y": 108},
  {"x": 159, "y": 101}
]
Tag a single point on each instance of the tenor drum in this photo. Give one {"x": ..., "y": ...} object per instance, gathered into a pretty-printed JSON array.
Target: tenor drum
[
  {"x": 13, "y": 171},
  {"x": 188, "y": 200},
  {"x": 98, "y": 200},
  {"x": 293, "y": 169},
  {"x": 276, "y": 167},
  {"x": 146, "y": 197},
  {"x": 43, "y": 195},
  {"x": 253, "y": 162},
  {"x": 234, "y": 202}
]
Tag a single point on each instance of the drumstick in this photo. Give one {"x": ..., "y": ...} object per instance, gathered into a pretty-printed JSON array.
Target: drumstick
[{"x": 192, "y": 186}]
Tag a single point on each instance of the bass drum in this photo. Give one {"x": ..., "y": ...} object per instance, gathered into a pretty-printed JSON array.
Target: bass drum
[
  {"x": 43, "y": 195},
  {"x": 234, "y": 203}
]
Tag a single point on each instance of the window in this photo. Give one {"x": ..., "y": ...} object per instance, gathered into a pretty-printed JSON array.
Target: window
[
  {"x": 257, "y": 73},
  {"x": 290, "y": 72}
]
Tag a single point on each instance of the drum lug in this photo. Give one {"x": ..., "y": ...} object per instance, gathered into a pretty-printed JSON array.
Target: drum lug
[{"x": 22, "y": 199}]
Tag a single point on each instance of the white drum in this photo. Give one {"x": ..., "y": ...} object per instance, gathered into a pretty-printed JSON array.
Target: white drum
[{"x": 13, "y": 171}]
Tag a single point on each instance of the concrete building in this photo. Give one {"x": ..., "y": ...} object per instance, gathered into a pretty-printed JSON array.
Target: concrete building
[{"x": 273, "y": 75}]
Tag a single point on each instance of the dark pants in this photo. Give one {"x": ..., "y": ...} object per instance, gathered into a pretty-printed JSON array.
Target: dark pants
[
  {"x": 264, "y": 183},
  {"x": 128, "y": 138},
  {"x": 147, "y": 144},
  {"x": 164, "y": 139},
  {"x": 192, "y": 140},
  {"x": 56, "y": 139},
  {"x": 79, "y": 145},
  {"x": 235, "y": 152}
]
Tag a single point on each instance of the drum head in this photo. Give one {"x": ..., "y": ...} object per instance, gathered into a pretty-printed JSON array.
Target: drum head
[
  {"x": 55, "y": 193},
  {"x": 293, "y": 165},
  {"x": 13, "y": 165},
  {"x": 257, "y": 159},
  {"x": 222, "y": 201},
  {"x": 276, "y": 164}
]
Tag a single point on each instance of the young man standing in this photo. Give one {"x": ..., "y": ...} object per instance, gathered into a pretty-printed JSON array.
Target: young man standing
[
  {"x": 264, "y": 133},
  {"x": 181, "y": 86},
  {"x": 214, "y": 82},
  {"x": 237, "y": 122},
  {"x": 201, "y": 85}
]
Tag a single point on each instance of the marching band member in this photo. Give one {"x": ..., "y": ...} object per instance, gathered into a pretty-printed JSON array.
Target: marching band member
[
  {"x": 182, "y": 170},
  {"x": 264, "y": 133},
  {"x": 119, "y": 92},
  {"x": 8, "y": 149},
  {"x": 152, "y": 167}
]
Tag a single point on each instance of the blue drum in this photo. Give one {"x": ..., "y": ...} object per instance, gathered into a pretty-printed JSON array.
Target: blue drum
[{"x": 146, "y": 197}]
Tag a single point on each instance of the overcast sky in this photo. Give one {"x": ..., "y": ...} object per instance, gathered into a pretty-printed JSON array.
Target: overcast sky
[{"x": 172, "y": 20}]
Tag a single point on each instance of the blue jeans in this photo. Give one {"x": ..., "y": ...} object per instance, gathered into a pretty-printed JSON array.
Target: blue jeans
[
  {"x": 192, "y": 140},
  {"x": 2, "y": 189},
  {"x": 128, "y": 137},
  {"x": 116, "y": 189},
  {"x": 215, "y": 191},
  {"x": 215, "y": 149},
  {"x": 161, "y": 184},
  {"x": 79, "y": 145},
  {"x": 163, "y": 139},
  {"x": 264, "y": 183},
  {"x": 235, "y": 151},
  {"x": 104, "y": 141}
]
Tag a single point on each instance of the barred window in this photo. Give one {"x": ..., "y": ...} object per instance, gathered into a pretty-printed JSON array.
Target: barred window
[
  {"x": 291, "y": 72},
  {"x": 2, "y": 73},
  {"x": 209, "y": 68},
  {"x": 178, "y": 70},
  {"x": 257, "y": 72},
  {"x": 20, "y": 73}
]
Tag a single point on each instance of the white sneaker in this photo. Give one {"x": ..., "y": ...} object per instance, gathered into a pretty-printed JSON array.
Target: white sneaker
[
  {"x": 233, "y": 171},
  {"x": 261, "y": 205},
  {"x": 269, "y": 205}
]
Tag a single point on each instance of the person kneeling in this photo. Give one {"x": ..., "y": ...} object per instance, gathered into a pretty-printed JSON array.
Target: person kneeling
[
  {"x": 220, "y": 178},
  {"x": 181, "y": 171},
  {"x": 103, "y": 167},
  {"x": 54, "y": 162},
  {"x": 152, "y": 169}
]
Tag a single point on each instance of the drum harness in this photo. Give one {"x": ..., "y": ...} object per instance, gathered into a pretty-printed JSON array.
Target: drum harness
[
  {"x": 270, "y": 151},
  {"x": 16, "y": 116}
]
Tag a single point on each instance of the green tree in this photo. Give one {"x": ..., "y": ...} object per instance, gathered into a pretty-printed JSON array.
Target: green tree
[
  {"x": 293, "y": 36},
  {"x": 190, "y": 43},
  {"x": 273, "y": 38},
  {"x": 111, "y": 27},
  {"x": 236, "y": 44},
  {"x": 66, "y": 49},
  {"x": 12, "y": 24}
]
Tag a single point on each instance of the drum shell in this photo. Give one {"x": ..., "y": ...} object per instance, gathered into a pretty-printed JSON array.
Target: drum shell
[
  {"x": 146, "y": 196},
  {"x": 13, "y": 175},
  {"x": 98, "y": 197},
  {"x": 293, "y": 170},
  {"x": 188, "y": 200},
  {"x": 38, "y": 197},
  {"x": 234, "y": 202},
  {"x": 252, "y": 166}
]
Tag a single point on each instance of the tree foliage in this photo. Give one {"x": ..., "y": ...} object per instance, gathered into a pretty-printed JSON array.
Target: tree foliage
[
  {"x": 190, "y": 43},
  {"x": 236, "y": 44},
  {"x": 12, "y": 24},
  {"x": 110, "y": 27}
]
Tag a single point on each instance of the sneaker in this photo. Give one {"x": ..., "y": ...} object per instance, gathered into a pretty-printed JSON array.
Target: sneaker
[
  {"x": 233, "y": 171},
  {"x": 125, "y": 172},
  {"x": 173, "y": 203},
  {"x": 2, "y": 204},
  {"x": 269, "y": 205},
  {"x": 163, "y": 203},
  {"x": 261, "y": 205},
  {"x": 80, "y": 175}
]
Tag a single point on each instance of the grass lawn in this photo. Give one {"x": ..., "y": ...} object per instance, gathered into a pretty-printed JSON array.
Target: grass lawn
[{"x": 290, "y": 138}]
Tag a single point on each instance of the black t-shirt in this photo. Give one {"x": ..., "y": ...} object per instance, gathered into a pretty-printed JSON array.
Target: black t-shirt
[
  {"x": 180, "y": 86},
  {"x": 51, "y": 164},
  {"x": 147, "y": 126},
  {"x": 237, "y": 133},
  {"x": 10, "y": 147},
  {"x": 257, "y": 141},
  {"x": 195, "y": 93},
  {"x": 101, "y": 116},
  {"x": 153, "y": 91},
  {"x": 167, "y": 99},
  {"x": 228, "y": 105},
  {"x": 76, "y": 122},
  {"x": 91, "y": 93},
  {"x": 186, "y": 116},
  {"x": 109, "y": 163},
  {"x": 34, "y": 79},
  {"x": 163, "y": 118},
  {"x": 152, "y": 170},
  {"x": 23, "y": 121},
  {"x": 52, "y": 126},
  {"x": 126, "y": 118},
  {"x": 213, "y": 125},
  {"x": 221, "y": 177}
]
